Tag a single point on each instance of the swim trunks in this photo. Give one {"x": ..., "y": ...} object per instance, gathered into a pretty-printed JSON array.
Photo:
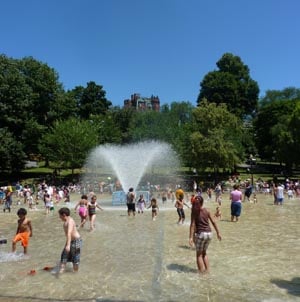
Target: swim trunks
[
  {"x": 23, "y": 237},
  {"x": 180, "y": 212},
  {"x": 74, "y": 254},
  {"x": 202, "y": 241}
]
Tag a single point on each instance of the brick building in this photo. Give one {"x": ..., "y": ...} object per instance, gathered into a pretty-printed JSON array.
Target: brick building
[{"x": 142, "y": 103}]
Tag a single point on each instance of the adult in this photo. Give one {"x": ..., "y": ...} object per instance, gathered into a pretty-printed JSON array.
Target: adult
[
  {"x": 279, "y": 194},
  {"x": 200, "y": 233},
  {"x": 130, "y": 201},
  {"x": 248, "y": 190},
  {"x": 236, "y": 202}
]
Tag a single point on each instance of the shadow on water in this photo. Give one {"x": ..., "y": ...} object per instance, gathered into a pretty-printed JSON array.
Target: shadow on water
[
  {"x": 292, "y": 287},
  {"x": 181, "y": 268},
  {"x": 186, "y": 247},
  {"x": 28, "y": 298}
]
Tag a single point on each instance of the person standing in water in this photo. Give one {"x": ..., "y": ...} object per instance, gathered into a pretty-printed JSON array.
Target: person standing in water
[
  {"x": 92, "y": 207},
  {"x": 83, "y": 210},
  {"x": 130, "y": 201},
  {"x": 179, "y": 206},
  {"x": 24, "y": 230},
  {"x": 72, "y": 249},
  {"x": 236, "y": 202},
  {"x": 200, "y": 233},
  {"x": 155, "y": 208},
  {"x": 141, "y": 204}
]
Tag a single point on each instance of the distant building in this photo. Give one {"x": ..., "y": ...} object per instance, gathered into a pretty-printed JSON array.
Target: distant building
[{"x": 142, "y": 103}]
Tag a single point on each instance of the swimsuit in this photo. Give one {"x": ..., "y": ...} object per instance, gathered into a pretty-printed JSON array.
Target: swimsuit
[
  {"x": 180, "y": 212},
  {"x": 74, "y": 254},
  {"x": 82, "y": 211},
  {"x": 24, "y": 237},
  {"x": 202, "y": 241},
  {"x": 92, "y": 209}
]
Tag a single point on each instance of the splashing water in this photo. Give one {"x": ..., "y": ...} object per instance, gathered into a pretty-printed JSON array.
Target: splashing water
[
  {"x": 11, "y": 257},
  {"x": 130, "y": 162}
]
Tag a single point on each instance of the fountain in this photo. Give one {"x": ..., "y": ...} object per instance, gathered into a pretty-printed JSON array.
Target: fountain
[{"x": 129, "y": 163}]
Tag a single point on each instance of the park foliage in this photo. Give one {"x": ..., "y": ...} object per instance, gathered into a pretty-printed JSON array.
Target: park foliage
[{"x": 42, "y": 121}]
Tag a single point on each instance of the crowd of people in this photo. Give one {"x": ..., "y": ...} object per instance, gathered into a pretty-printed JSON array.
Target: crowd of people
[{"x": 200, "y": 233}]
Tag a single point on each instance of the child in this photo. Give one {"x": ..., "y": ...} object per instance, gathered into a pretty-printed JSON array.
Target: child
[
  {"x": 180, "y": 211},
  {"x": 47, "y": 199},
  {"x": 290, "y": 193},
  {"x": 30, "y": 201},
  {"x": 91, "y": 206},
  {"x": 141, "y": 203},
  {"x": 201, "y": 234},
  {"x": 83, "y": 211},
  {"x": 72, "y": 249},
  {"x": 24, "y": 230},
  {"x": 254, "y": 198},
  {"x": 218, "y": 213},
  {"x": 154, "y": 205}
]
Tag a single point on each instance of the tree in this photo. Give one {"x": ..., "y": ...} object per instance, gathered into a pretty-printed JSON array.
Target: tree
[
  {"x": 275, "y": 133},
  {"x": 90, "y": 100},
  {"x": 107, "y": 129},
  {"x": 68, "y": 143},
  {"x": 31, "y": 99},
  {"x": 289, "y": 93},
  {"x": 215, "y": 140},
  {"x": 232, "y": 85},
  {"x": 11, "y": 153}
]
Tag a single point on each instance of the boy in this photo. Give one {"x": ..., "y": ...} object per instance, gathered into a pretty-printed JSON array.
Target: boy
[
  {"x": 24, "y": 230},
  {"x": 72, "y": 249},
  {"x": 180, "y": 211}
]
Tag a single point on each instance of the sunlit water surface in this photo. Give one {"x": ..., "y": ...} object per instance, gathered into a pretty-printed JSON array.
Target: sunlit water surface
[{"x": 137, "y": 259}]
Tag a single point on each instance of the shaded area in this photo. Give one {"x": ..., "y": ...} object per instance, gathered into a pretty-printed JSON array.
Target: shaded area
[
  {"x": 181, "y": 268},
  {"x": 25, "y": 299},
  {"x": 292, "y": 287}
]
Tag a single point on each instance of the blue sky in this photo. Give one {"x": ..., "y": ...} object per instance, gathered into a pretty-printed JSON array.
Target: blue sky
[{"x": 154, "y": 47}]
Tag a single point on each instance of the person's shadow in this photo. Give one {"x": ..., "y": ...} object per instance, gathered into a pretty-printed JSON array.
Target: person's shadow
[
  {"x": 181, "y": 268},
  {"x": 292, "y": 287}
]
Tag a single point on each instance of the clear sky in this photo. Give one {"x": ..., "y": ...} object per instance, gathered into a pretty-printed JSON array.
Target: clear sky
[{"x": 154, "y": 47}]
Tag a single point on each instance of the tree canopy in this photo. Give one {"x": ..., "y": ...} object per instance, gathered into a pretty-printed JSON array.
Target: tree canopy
[{"x": 232, "y": 85}]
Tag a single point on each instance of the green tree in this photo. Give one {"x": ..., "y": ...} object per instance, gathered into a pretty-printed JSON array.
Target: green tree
[
  {"x": 107, "y": 129},
  {"x": 90, "y": 100},
  {"x": 123, "y": 119},
  {"x": 216, "y": 138},
  {"x": 31, "y": 98},
  {"x": 46, "y": 88},
  {"x": 273, "y": 137},
  {"x": 289, "y": 93},
  {"x": 69, "y": 142},
  {"x": 294, "y": 127},
  {"x": 232, "y": 85},
  {"x": 11, "y": 153}
]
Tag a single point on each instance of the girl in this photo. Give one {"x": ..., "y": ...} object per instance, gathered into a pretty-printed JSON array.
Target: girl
[
  {"x": 91, "y": 206},
  {"x": 154, "y": 205},
  {"x": 83, "y": 210},
  {"x": 200, "y": 233}
]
